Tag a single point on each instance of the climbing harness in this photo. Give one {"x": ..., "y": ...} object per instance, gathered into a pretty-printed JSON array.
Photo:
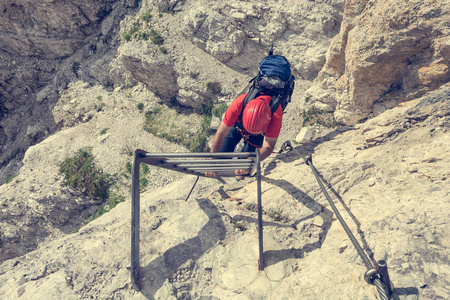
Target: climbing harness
[
  {"x": 377, "y": 275},
  {"x": 246, "y": 136}
]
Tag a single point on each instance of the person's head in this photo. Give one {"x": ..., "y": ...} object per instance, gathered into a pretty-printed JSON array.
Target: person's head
[{"x": 256, "y": 116}]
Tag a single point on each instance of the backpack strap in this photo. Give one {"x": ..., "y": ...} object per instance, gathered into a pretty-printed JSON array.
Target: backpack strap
[{"x": 275, "y": 103}]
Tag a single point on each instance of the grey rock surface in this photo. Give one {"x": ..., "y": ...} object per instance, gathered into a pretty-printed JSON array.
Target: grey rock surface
[{"x": 383, "y": 62}]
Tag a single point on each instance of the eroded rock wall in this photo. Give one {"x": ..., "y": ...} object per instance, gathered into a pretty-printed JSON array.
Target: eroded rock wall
[{"x": 386, "y": 52}]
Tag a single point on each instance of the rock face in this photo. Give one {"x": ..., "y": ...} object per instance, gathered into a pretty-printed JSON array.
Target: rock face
[
  {"x": 390, "y": 174},
  {"x": 104, "y": 71},
  {"x": 43, "y": 48},
  {"x": 30, "y": 28},
  {"x": 386, "y": 52}
]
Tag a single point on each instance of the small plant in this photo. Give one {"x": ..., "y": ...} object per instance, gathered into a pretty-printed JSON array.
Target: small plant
[
  {"x": 132, "y": 33},
  {"x": 213, "y": 88},
  {"x": 219, "y": 110},
  {"x": 9, "y": 179},
  {"x": 276, "y": 215},
  {"x": 193, "y": 75},
  {"x": 140, "y": 106},
  {"x": 99, "y": 98},
  {"x": 127, "y": 151},
  {"x": 316, "y": 116},
  {"x": 239, "y": 226},
  {"x": 163, "y": 50},
  {"x": 251, "y": 207},
  {"x": 326, "y": 75},
  {"x": 115, "y": 199},
  {"x": 81, "y": 172},
  {"x": 143, "y": 183},
  {"x": 144, "y": 170},
  {"x": 104, "y": 130},
  {"x": 199, "y": 142},
  {"x": 147, "y": 15},
  {"x": 69, "y": 282},
  {"x": 156, "y": 38},
  {"x": 128, "y": 167}
]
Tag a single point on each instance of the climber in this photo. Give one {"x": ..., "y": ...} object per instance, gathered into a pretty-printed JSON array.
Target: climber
[
  {"x": 257, "y": 116},
  {"x": 256, "y": 125}
]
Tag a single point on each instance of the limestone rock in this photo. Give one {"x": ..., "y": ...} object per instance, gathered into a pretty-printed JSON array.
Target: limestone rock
[
  {"x": 208, "y": 245},
  {"x": 160, "y": 79},
  {"x": 383, "y": 53}
]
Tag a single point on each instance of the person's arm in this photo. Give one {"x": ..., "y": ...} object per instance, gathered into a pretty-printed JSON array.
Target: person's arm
[
  {"x": 267, "y": 147},
  {"x": 222, "y": 131}
]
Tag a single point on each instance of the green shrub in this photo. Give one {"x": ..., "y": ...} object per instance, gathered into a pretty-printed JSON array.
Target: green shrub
[
  {"x": 198, "y": 144},
  {"x": 316, "y": 116},
  {"x": 147, "y": 15},
  {"x": 156, "y": 38},
  {"x": 128, "y": 167},
  {"x": 104, "y": 130},
  {"x": 9, "y": 179},
  {"x": 127, "y": 36},
  {"x": 157, "y": 124},
  {"x": 140, "y": 106},
  {"x": 81, "y": 172},
  {"x": 163, "y": 50},
  {"x": 251, "y": 207},
  {"x": 132, "y": 33},
  {"x": 276, "y": 215},
  {"x": 219, "y": 110}
]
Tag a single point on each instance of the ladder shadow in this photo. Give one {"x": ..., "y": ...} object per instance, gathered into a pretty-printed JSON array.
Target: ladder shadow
[
  {"x": 165, "y": 267},
  {"x": 272, "y": 257}
]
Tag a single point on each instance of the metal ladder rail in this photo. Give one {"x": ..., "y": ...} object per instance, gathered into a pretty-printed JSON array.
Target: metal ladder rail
[{"x": 183, "y": 162}]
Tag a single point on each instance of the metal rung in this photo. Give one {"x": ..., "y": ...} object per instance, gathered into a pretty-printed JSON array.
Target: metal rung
[
  {"x": 212, "y": 168},
  {"x": 198, "y": 155},
  {"x": 244, "y": 166},
  {"x": 205, "y": 161}
]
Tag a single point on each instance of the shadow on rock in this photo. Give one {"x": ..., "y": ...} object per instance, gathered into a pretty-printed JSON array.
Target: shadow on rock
[
  {"x": 183, "y": 255},
  {"x": 275, "y": 256}
]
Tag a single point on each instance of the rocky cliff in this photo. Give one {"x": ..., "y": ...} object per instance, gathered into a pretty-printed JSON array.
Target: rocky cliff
[{"x": 99, "y": 76}]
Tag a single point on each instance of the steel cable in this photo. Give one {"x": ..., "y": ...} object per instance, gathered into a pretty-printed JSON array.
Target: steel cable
[{"x": 376, "y": 280}]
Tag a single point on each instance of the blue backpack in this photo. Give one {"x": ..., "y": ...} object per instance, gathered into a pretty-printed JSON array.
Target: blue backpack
[{"x": 274, "y": 79}]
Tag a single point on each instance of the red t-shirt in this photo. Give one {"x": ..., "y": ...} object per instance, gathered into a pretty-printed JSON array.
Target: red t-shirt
[{"x": 232, "y": 114}]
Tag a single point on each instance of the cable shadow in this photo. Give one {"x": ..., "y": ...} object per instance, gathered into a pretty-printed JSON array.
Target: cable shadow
[
  {"x": 274, "y": 256},
  {"x": 153, "y": 275},
  {"x": 397, "y": 292},
  {"x": 352, "y": 216}
]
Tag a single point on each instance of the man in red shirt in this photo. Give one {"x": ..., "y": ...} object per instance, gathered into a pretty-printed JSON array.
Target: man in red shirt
[{"x": 255, "y": 124}]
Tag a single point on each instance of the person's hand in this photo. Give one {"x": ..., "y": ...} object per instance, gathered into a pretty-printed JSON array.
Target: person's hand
[
  {"x": 241, "y": 172},
  {"x": 211, "y": 174}
]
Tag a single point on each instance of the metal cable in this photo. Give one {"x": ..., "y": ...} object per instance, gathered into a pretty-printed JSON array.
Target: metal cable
[{"x": 376, "y": 280}]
